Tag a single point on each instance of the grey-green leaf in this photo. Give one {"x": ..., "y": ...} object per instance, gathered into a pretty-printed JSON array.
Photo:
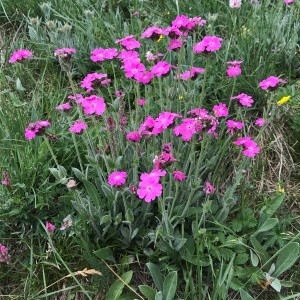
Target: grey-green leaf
[{"x": 170, "y": 286}]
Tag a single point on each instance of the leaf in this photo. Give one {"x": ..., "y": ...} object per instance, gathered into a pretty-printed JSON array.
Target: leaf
[
  {"x": 117, "y": 287},
  {"x": 147, "y": 291},
  {"x": 267, "y": 225},
  {"x": 287, "y": 256},
  {"x": 178, "y": 243},
  {"x": 260, "y": 251},
  {"x": 269, "y": 209},
  {"x": 156, "y": 275},
  {"x": 241, "y": 258},
  {"x": 78, "y": 174},
  {"x": 236, "y": 225},
  {"x": 158, "y": 296},
  {"x": 274, "y": 282},
  {"x": 92, "y": 192},
  {"x": 105, "y": 254},
  {"x": 170, "y": 286},
  {"x": 245, "y": 296},
  {"x": 254, "y": 258}
]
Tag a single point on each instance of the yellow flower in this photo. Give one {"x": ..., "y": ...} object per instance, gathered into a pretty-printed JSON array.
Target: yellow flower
[
  {"x": 180, "y": 97},
  {"x": 280, "y": 189},
  {"x": 283, "y": 100}
]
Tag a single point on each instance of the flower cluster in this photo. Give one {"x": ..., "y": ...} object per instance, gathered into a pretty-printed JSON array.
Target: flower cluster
[{"x": 250, "y": 147}]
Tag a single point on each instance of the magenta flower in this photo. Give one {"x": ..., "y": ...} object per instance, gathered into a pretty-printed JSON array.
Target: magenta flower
[
  {"x": 153, "y": 33},
  {"x": 186, "y": 129},
  {"x": 144, "y": 77},
  {"x": 50, "y": 227},
  {"x": 19, "y": 55},
  {"x": 117, "y": 178},
  {"x": 93, "y": 105},
  {"x": 208, "y": 44},
  {"x": 78, "y": 127},
  {"x": 129, "y": 42},
  {"x": 244, "y": 99},
  {"x": 260, "y": 122},
  {"x": 234, "y": 70},
  {"x": 287, "y": 2},
  {"x": 142, "y": 102},
  {"x": 174, "y": 44},
  {"x": 191, "y": 74},
  {"x": 162, "y": 68},
  {"x": 36, "y": 128},
  {"x": 133, "y": 68},
  {"x": 220, "y": 110},
  {"x": 101, "y": 54},
  {"x": 4, "y": 256},
  {"x": 178, "y": 175},
  {"x": 250, "y": 147},
  {"x": 234, "y": 125},
  {"x": 133, "y": 136},
  {"x": 270, "y": 82},
  {"x": 163, "y": 121},
  {"x": 90, "y": 79},
  {"x": 64, "y": 52},
  {"x": 64, "y": 106},
  {"x": 149, "y": 188},
  {"x": 208, "y": 188}
]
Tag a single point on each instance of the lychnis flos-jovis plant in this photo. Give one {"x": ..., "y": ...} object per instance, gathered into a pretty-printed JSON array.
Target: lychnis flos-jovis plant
[{"x": 138, "y": 141}]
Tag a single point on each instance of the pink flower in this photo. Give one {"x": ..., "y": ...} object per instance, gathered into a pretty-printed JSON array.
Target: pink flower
[
  {"x": 186, "y": 129},
  {"x": 233, "y": 71},
  {"x": 149, "y": 187},
  {"x": 153, "y": 33},
  {"x": 270, "y": 82},
  {"x": 78, "y": 127},
  {"x": 37, "y": 128},
  {"x": 93, "y": 105},
  {"x": 162, "y": 68},
  {"x": 163, "y": 121},
  {"x": 133, "y": 68},
  {"x": 129, "y": 42},
  {"x": 232, "y": 125},
  {"x": 289, "y": 1},
  {"x": 153, "y": 57},
  {"x": 208, "y": 188},
  {"x": 50, "y": 227},
  {"x": 235, "y": 3},
  {"x": 19, "y": 55},
  {"x": 174, "y": 44},
  {"x": 64, "y": 106},
  {"x": 90, "y": 79},
  {"x": 117, "y": 178},
  {"x": 260, "y": 122},
  {"x": 244, "y": 99},
  {"x": 208, "y": 44},
  {"x": 220, "y": 110},
  {"x": 64, "y": 52},
  {"x": 133, "y": 136},
  {"x": 191, "y": 74},
  {"x": 101, "y": 54},
  {"x": 142, "y": 102},
  {"x": 4, "y": 256},
  {"x": 178, "y": 175},
  {"x": 250, "y": 147},
  {"x": 119, "y": 94},
  {"x": 144, "y": 77},
  {"x": 5, "y": 178}
]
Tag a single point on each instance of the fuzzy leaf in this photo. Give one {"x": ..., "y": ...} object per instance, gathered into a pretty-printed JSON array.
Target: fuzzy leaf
[
  {"x": 260, "y": 251},
  {"x": 147, "y": 291},
  {"x": 117, "y": 287},
  {"x": 267, "y": 225},
  {"x": 245, "y": 296},
  {"x": 254, "y": 258},
  {"x": 288, "y": 255},
  {"x": 156, "y": 275},
  {"x": 170, "y": 286}
]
